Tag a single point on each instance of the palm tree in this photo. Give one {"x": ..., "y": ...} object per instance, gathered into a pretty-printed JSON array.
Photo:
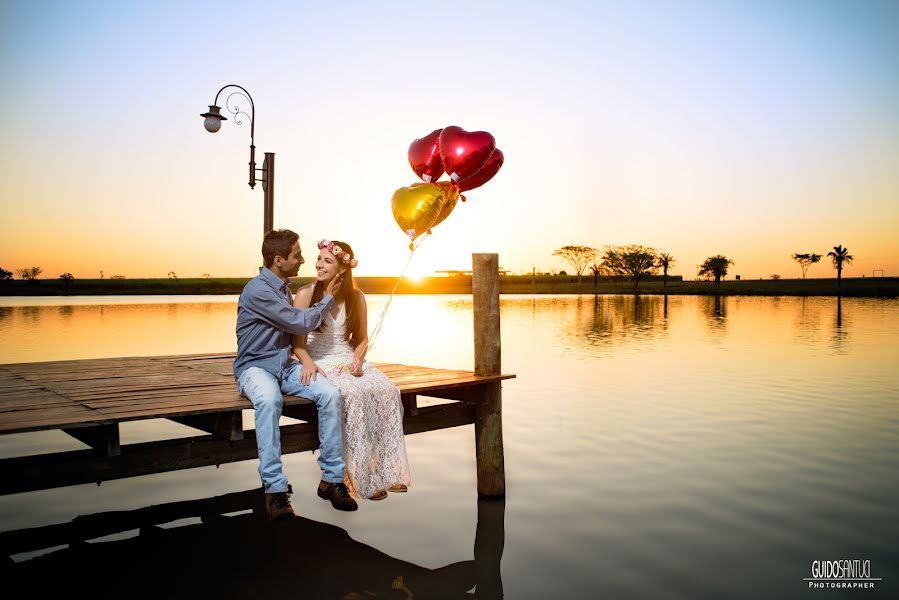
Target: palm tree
[
  {"x": 838, "y": 257},
  {"x": 664, "y": 261},
  {"x": 716, "y": 266}
]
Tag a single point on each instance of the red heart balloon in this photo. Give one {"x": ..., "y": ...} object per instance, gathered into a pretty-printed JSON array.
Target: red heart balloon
[
  {"x": 464, "y": 153},
  {"x": 485, "y": 174},
  {"x": 424, "y": 157}
]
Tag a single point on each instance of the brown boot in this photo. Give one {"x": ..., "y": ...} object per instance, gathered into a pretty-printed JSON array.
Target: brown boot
[
  {"x": 338, "y": 494},
  {"x": 278, "y": 506}
]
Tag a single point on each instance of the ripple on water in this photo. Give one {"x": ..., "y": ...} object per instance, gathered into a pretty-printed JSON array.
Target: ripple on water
[{"x": 688, "y": 449}]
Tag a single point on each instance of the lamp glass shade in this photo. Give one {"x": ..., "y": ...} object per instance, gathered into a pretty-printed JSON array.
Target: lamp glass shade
[
  {"x": 213, "y": 119},
  {"x": 212, "y": 124}
]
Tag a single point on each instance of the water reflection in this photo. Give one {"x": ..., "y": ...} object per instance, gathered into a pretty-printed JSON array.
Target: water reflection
[
  {"x": 299, "y": 557},
  {"x": 840, "y": 333},
  {"x": 714, "y": 308},
  {"x": 601, "y": 321},
  {"x": 40, "y": 333},
  {"x": 31, "y": 313},
  {"x": 807, "y": 324},
  {"x": 820, "y": 322},
  {"x": 692, "y": 471}
]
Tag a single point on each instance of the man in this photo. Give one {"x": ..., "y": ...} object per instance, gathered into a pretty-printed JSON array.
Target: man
[{"x": 265, "y": 368}]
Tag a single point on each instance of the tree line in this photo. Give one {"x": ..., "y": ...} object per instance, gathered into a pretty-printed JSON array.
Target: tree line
[
  {"x": 633, "y": 261},
  {"x": 31, "y": 273},
  {"x": 638, "y": 262},
  {"x": 838, "y": 256}
]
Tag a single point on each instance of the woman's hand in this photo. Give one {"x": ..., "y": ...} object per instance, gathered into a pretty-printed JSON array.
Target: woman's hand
[
  {"x": 356, "y": 367},
  {"x": 310, "y": 372}
]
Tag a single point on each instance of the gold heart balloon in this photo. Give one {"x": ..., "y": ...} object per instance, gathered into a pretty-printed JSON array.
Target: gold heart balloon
[
  {"x": 451, "y": 191},
  {"x": 417, "y": 207}
]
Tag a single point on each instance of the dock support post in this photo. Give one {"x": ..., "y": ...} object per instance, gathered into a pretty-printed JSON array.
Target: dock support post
[
  {"x": 488, "y": 426},
  {"x": 410, "y": 405},
  {"x": 102, "y": 438},
  {"x": 223, "y": 425}
]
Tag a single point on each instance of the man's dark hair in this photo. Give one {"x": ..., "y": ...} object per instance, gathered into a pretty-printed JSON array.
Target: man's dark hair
[{"x": 277, "y": 242}]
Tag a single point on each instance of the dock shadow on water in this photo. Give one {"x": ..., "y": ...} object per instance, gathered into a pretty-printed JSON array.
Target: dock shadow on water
[{"x": 230, "y": 550}]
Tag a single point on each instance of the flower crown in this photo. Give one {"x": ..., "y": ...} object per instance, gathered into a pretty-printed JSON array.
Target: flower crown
[{"x": 341, "y": 254}]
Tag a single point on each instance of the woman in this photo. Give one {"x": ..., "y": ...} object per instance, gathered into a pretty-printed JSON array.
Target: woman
[{"x": 374, "y": 446}]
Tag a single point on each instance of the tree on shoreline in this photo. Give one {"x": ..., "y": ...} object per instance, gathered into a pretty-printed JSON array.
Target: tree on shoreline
[
  {"x": 633, "y": 261},
  {"x": 578, "y": 257},
  {"x": 806, "y": 260},
  {"x": 67, "y": 279},
  {"x": 29, "y": 273},
  {"x": 838, "y": 257},
  {"x": 5, "y": 275},
  {"x": 715, "y": 266},
  {"x": 664, "y": 261}
]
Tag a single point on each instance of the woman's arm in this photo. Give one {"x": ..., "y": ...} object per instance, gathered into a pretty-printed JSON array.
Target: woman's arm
[
  {"x": 362, "y": 347},
  {"x": 302, "y": 300},
  {"x": 310, "y": 370}
]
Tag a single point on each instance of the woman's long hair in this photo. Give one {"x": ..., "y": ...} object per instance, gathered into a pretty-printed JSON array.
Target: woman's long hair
[{"x": 349, "y": 295}]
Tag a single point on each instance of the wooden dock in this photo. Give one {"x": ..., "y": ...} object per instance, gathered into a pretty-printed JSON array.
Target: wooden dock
[{"x": 88, "y": 399}]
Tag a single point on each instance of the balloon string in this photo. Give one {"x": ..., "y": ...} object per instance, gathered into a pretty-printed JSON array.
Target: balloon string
[{"x": 374, "y": 334}]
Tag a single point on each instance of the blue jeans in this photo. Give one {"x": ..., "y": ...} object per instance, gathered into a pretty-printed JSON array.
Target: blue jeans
[{"x": 265, "y": 391}]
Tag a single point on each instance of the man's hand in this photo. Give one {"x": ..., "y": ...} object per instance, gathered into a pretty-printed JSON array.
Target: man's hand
[
  {"x": 334, "y": 285},
  {"x": 310, "y": 372}
]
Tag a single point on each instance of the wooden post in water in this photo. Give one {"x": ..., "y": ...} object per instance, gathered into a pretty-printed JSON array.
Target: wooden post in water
[{"x": 488, "y": 425}]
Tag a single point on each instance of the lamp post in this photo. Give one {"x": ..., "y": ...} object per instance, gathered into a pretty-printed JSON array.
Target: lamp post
[{"x": 213, "y": 122}]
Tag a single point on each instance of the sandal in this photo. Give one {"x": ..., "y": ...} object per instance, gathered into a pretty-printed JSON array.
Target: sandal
[
  {"x": 378, "y": 495},
  {"x": 398, "y": 488}
]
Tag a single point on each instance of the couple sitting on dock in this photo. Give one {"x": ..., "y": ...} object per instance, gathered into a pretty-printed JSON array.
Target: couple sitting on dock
[{"x": 314, "y": 346}]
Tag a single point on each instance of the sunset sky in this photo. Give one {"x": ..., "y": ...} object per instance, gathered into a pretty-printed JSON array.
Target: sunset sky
[{"x": 752, "y": 129}]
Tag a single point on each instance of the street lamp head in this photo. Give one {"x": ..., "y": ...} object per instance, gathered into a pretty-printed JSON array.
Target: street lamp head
[{"x": 213, "y": 118}]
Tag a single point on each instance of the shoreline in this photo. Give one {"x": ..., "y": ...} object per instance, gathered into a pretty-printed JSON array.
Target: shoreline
[{"x": 870, "y": 287}]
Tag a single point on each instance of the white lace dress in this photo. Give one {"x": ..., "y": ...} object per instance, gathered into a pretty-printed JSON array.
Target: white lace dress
[{"x": 374, "y": 448}]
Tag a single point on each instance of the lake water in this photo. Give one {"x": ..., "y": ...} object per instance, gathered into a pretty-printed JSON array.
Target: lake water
[{"x": 688, "y": 447}]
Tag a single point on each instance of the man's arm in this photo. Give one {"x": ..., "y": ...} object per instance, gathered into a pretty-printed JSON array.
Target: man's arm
[{"x": 266, "y": 303}]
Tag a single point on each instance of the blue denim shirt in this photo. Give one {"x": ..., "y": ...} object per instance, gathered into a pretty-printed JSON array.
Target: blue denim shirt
[{"x": 266, "y": 318}]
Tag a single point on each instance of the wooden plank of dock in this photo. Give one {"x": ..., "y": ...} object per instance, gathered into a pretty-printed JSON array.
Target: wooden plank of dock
[{"x": 64, "y": 394}]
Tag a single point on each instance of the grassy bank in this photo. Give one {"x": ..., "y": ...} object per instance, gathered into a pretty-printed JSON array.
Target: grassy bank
[
  {"x": 509, "y": 284},
  {"x": 887, "y": 287}
]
